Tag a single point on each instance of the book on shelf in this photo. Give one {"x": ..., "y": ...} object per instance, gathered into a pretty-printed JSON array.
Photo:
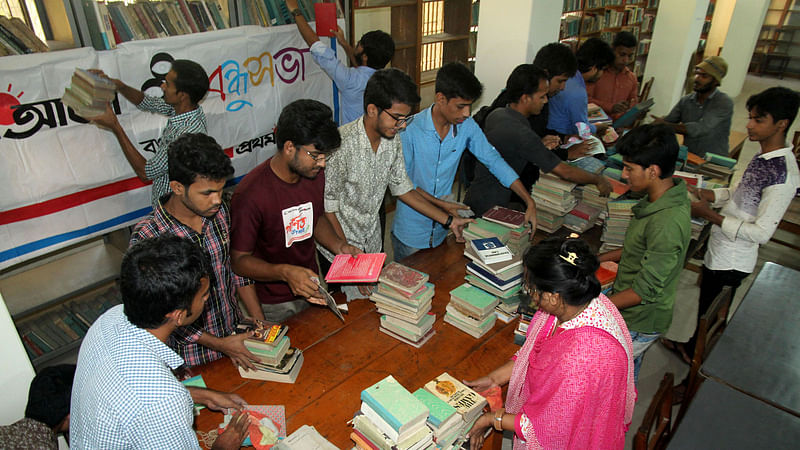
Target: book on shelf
[
  {"x": 491, "y": 250},
  {"x": 17, "y": 39},
  {"x": 402, "y": 278},
  {"x": 364, "y": 268},
  {"x": 505, "y": 216}
]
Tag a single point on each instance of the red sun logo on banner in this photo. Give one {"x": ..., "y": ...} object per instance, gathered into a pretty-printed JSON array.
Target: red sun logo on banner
[{"x": 7, "y": 102}]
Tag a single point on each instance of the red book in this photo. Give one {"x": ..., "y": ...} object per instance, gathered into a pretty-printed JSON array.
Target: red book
[
  {"x": 618, "y": 186},
  {"x": 607, "y": 272},
  {"x": 364, "y": 268},
  {"x": 187, "y": 14},
  {"x": 325, "y": 15},
  {"x": 505, "y": 216},
  {"x": 403, "y": 278}
]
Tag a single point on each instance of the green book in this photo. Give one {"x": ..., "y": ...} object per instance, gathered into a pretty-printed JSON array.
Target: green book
[
  {"x": 495, "y": 228},
  {"x": 394, "y": 404},
  {"x": 474, "y": 298},
  {"x": 439, "y": 410}
]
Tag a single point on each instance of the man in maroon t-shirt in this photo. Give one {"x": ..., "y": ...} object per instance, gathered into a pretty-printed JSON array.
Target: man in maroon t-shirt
[{"x": 278, "y": 208}]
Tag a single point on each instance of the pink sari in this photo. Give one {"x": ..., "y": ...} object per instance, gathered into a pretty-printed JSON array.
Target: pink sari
[{"x": 574, "y": 388}]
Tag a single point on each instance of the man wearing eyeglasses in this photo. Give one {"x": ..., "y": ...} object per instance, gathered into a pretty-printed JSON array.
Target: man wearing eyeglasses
[
  {"x": 277, "y": 210},
  {"x": 370, "y": 159}
]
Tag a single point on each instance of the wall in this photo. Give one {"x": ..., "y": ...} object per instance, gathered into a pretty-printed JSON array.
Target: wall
[
  {"x": 16, "y": 371},
  {"x": 738, "y": 48},
  {"x": 723, "y": 10},
  {"x": 371, "y": 19},
  {"x": 509, "y": 34}
]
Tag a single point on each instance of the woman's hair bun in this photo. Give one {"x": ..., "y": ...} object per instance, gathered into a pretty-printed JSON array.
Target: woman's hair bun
[{"x": 577, "y": 253}]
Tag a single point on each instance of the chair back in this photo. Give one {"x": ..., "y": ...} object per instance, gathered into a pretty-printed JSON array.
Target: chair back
[
  {"x": 656, "y": 428},
  {"x": 709, "y": 329}
]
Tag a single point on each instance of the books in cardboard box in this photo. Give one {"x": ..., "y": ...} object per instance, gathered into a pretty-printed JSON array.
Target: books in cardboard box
[
  {"x": 468, "y": 403},
  {"x": 402, "y": 278}
]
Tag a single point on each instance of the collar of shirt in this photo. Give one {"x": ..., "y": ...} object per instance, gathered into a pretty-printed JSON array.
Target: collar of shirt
[
  {"x": 148, "y": 340},
  {"x": 693, "y": 96},
  {"x": 168, "y": 221},
  {"x": 426, "y": 122},
  {"x": 786, "y": 151}
]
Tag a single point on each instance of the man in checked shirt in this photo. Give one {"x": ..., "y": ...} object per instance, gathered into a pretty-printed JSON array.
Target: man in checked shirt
[
  {"x": 198, "y": 169},
  {"x": 184, "y": 86}
]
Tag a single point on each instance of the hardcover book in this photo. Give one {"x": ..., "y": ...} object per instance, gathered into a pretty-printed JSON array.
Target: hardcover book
[
  {"x": 364, "y": 268},
  {"x": 403, "y": 278},
  {"x": 280, "y": 377},
  {"x": 475, "y": 300},
  {"x": 467, "y": 402},
  {"x": 491, "y": 250},
  {"x": 505, "y": 216}
]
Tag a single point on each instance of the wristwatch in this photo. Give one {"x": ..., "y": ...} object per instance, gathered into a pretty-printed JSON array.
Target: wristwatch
[
  {"x": 498, "y": 419},
  {"x": 296, "y": 12},
  {"x": 449, "y": 221}
]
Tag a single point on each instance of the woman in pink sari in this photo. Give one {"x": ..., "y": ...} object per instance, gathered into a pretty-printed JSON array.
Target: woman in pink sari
[{"x": 571, "y": 383}]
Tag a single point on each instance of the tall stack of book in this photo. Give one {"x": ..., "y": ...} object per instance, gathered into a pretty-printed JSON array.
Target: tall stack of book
[
  {"x": 502, "y": 279},
  {"x": 468, "y": 403},
  {"x": 554, "y": 200},
  {"x": 403, "y": 297},
  {"x": 276, "y": 360},
  {"x": 483, "y": 228},
  {"x": 471, "y": 310},
  {"x": 619, "y": 218},
  {"x": 582, "y": 217},
  {"x": 391, "y": 417},
  {"x": 88, "y": 94},
  {"x": 591, "y": 196}
]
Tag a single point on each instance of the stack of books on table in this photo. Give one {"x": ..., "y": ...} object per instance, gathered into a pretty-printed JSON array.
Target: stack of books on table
[
  {"x": 514, "y": 220},
  {"x": 506, "y": 310},
  {"x": 502, "y": 279},
  {"x": 391, "y": 418},
  {"x": 526, "y": 311},
  {"x": 467, "y": 403},
  {"x": 443, "y": 419},
  {"x": 471, "y": 310},
  {"x": 515, "y": 238},
  {"x": 554, "y": 200},
  {"x": 88, "y": 94},
  {"x": 403, "y": 297},
  {"x": 277, "y": 360},
  {"x": 591, "y": 196},
  {"x": 619, "y": 218},
  {"x": 582, "y": 217}
]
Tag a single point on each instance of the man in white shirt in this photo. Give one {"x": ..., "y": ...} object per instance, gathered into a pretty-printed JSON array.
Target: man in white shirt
[{"x": 753, "y": 208}]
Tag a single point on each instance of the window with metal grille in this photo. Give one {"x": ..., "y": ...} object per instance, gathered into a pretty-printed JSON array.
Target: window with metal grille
[{"x": 432, "y": 23}]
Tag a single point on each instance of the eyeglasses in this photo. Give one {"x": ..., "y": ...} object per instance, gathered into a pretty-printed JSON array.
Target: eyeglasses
[
  {"x": 530, "y": 291},
  {"x": 399, "y": 121},
  {"x": 318, "y": 156}
]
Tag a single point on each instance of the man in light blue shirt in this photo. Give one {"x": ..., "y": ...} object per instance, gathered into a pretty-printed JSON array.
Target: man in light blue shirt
[
  {"x": 570, "y": 105},
  {"x": 432, "y": 148},
  {"x": 373, "y": 52},
  {"x": 124, "y": 394}
]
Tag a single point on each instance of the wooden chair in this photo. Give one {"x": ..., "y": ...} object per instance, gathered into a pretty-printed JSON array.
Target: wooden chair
[
  {"x": 656, "y": 428},
  {"x": 709, "y": 329}
]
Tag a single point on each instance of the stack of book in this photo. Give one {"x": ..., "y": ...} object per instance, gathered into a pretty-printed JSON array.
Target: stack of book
[
  {"x": 491, "y": 250},
  {"x": 582, "y": 217},
  {"x": 514, "y": 220},
  {"x": 502, "y": 279},
  {"x": 276, "y": 360},
  {"x": 391, "y": 417},
  {"x": 403, "y": 297},
  {"x": 554, "y": 200},
  {"x": 619, "y": 218},
  {"x": 88, "y": 94},
  {"x": 471, "y": 310},
  {"x": 483, "y": 228},
  {"x": 526, "y": 312},
  {"x": 506, "y": 310},
  {"x": 443, "y": 419},
  {"x": 467, "y": 403}
]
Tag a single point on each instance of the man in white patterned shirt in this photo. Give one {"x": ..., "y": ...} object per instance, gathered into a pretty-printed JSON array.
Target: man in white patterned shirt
[
  {"x": 370, "y": 159},
  {"x": 184, "y": 86},
  {"x": 124, "y": 394}
]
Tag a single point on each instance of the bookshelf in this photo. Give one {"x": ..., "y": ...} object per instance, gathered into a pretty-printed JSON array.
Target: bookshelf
[
  {"x": 584, "y": 19},
  {"x": 427, "y": 33},
  {"x": 777, "y": 50}
]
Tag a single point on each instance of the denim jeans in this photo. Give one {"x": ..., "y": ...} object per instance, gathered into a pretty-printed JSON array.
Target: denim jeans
[
  {"x": 641, "y": 342},
  {"x": 401, "y": 250}
]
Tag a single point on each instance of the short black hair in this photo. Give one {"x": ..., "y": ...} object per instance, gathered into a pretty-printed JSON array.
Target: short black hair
[
  {"x": 379, "y": 48},
  {"x": 454, "y": 79},
  {"x": 548, "y": 268},
  {"x": 650, "y": 144},
  {"x": 557, "y": 59},
  {"x": 50, "y": 394},
  {"x": 190, "y": 78},
  {"x": 195, "y": 155},
  {"x": 624, "y": 39},
  {"x": 779, "y": 102},
  {"x": 595, "y": 52},
  {"x": 524, "y": 80},
  {"x": 388, "y": 86},
  {"x": 161, "y": 275},
  {"x": 306, "y": 122}
]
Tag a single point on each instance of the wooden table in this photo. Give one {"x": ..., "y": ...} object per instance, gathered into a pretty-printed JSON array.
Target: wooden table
[
  {"x": 342, "y": 359},
  {"x": 721, "y": 417},
  {"x": 759, "y": 351}
]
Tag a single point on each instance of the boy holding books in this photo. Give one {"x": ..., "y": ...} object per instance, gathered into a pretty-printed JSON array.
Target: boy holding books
[
  {"x": 370, "y": 159},
  {"x": 652, "y": 255},
  {"x": 432, "y": 147},
  {"x": 752, "y": 209},
  {"x": 184, "y": 86}
]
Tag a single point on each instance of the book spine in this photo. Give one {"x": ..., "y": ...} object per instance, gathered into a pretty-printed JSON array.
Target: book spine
[
  {"x": 184, "y": 8},
  {"x": 376, "y": 406}
]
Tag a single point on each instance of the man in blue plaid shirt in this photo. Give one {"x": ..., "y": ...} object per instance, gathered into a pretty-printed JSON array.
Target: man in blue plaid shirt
[
  {"x": 184, "y": 86},
  {"x": 124, "y": 394},
  {"x": 198, "y": 169}
]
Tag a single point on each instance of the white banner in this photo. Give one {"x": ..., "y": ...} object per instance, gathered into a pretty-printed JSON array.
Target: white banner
[{"x": 66, "y": 180}]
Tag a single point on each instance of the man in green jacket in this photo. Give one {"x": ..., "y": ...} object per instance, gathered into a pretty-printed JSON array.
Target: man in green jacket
[{"x": 652, "y": 255}]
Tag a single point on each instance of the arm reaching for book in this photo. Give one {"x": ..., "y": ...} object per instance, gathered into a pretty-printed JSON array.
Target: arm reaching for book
[
  {"x": 530, "y": 206},
  {"x": 232, "y": 346},
  {"x": 348, "y": 49},
  {"x": 580, "y": 176},
  {"x": 216, "y": 400},
  {"x": 133, "y": 95},
  {"x": 498, "y": 377},
  {"x": 423, "y": 205},
  {"x": 305, "y": 29},
  {"x": 248, "y": 296}
]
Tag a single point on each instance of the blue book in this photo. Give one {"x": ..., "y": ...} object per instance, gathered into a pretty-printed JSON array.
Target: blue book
[
  {"x": 493, "y": 279},
  {"x": 491, "y": 250}
]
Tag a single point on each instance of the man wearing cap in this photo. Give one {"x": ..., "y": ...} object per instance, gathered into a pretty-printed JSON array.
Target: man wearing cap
[{"x": 704, "y": 116}]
